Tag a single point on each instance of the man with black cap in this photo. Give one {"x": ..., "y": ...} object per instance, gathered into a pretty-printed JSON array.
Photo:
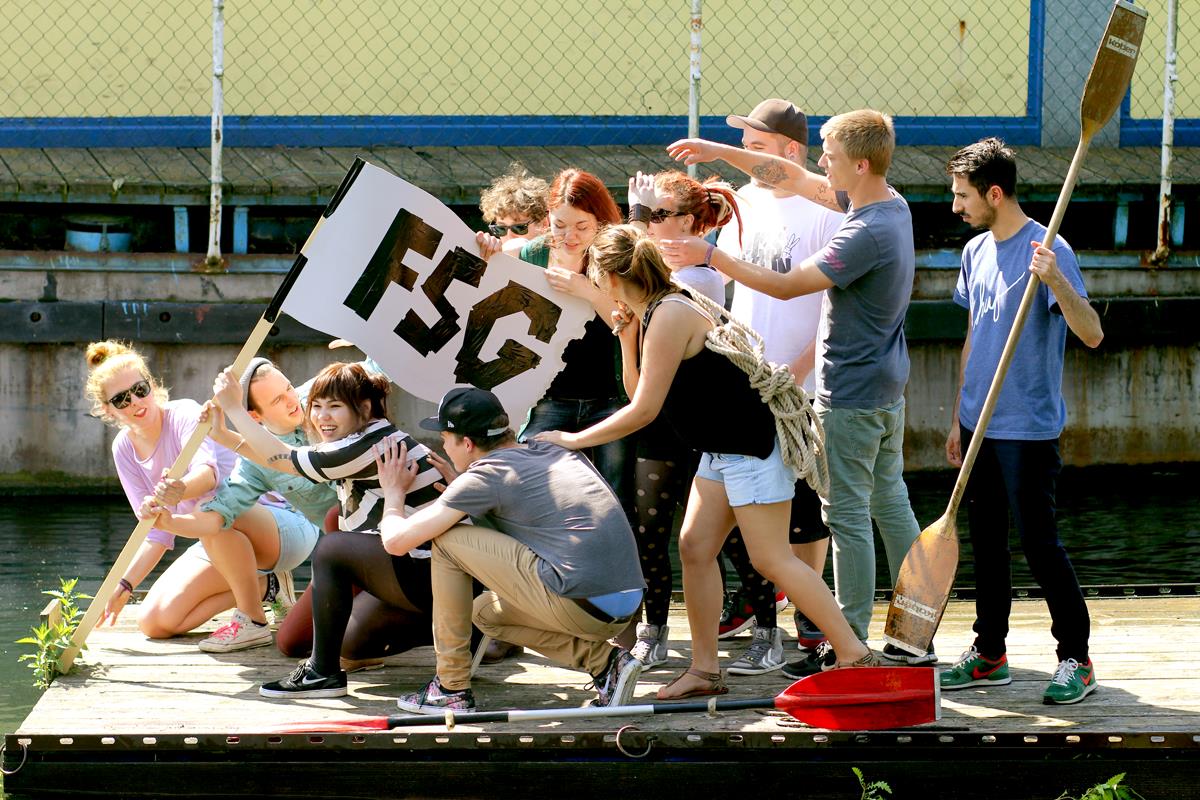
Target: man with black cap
[
  {"x": 550, "y": 541},
  {"x": 779, "y": 229}
]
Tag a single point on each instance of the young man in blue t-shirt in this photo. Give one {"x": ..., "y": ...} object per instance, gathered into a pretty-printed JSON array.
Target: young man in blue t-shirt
[{"x": 1018, "y": 463}]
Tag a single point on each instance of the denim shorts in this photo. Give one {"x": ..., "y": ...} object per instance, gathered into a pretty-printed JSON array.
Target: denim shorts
[
  {"x": 297, "y": 538},
  {"x": 749, "y": 480}
]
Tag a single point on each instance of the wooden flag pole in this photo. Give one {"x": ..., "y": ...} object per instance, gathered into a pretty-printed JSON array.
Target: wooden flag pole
[{"x": 179, "y": 468}]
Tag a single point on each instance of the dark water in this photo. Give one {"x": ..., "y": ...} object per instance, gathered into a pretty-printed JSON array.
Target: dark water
[{"x": 1121, "y": 525}]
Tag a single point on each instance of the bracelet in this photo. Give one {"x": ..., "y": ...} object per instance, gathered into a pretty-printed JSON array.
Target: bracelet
[
  {"x": 639, "y": 213},
  {"x": 239, "y": 444},
  {"x": 126, "y": 585},
  {"x": 708, "y": 254}
]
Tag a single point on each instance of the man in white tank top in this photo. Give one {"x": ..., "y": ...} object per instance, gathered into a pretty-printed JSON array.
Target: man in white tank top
[{"x": 781, "y": 229}]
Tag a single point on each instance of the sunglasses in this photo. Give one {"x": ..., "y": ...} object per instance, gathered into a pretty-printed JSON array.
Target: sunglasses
[
  {"x": 520, "y": 229},
  {"x": 123, "y": 399},
  {"x": 662, "y": 214}
]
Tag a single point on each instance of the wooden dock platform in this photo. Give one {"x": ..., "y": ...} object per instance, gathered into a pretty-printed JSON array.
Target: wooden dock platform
[{"x": 144, "y": 718}]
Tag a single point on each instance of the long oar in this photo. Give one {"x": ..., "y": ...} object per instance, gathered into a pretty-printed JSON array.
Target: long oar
[
  {"x": 858, "y": 699},
  {"x": 927, "y": 574}
]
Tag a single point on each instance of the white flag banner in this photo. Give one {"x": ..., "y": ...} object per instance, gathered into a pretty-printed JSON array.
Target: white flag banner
[{"x": 399, "y": 274}]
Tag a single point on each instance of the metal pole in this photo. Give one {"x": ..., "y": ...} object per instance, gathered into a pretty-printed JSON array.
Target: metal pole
[
  {"x": 213, "y": 259},
  {"x": 1170, "y": 76},
  {"x": 694, "y": 85}
]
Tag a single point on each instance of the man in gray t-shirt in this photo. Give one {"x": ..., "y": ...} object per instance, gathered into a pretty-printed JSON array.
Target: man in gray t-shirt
[
  {"x": 866, "y": 272},
  {"x": 550, "y": 541}
]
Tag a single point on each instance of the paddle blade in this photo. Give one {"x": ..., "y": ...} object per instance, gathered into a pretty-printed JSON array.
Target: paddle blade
[
  {"x": 333, "y": 726},
  {"x": 923, "y": 587},
  {"x": 1113, "y": 67},
  {"x": 864, "y": 698}
]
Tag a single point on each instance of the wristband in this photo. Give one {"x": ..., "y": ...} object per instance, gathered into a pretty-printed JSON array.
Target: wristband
[
  {"x": 126, "y": 585},
  {"x": 639, "y": 213},
  {"x": 239, "y": 444},
  {"x": 708, "y": 255}
]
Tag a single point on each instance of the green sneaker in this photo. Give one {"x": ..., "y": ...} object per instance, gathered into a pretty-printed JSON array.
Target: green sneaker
[
  {"x": 1071, "y": 683},
  {"x": 972, "y": 669}
]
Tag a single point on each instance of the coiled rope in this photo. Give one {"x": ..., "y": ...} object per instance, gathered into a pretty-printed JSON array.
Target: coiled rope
[{"x": 801, "y": 436}]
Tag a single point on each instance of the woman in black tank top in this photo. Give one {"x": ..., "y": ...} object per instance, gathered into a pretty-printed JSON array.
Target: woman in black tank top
[{"x": 711, "y": 405}]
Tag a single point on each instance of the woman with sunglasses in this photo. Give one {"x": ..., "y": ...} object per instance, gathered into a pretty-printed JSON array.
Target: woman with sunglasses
[
  {"x": 668, "y": 205},
  {"x": 347, "y": 412},
  {"x": 742, "y": 478},
  {"x": 514, "y": 207},
  {"x": 196, "y": 586}
]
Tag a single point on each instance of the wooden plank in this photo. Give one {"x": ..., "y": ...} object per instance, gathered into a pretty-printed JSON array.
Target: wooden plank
[
  {"x": 241, "y": 182},
  {"x": 85, "y": 178},
  {"x": 35, "y": 173},
  {"x": 424, "y": 171},
  {"x": 130, "y": 684},
  {"x": 280, "y": 172},
  {"x": 9, "y": 185},
  {"x": 325, "y": 172},
  {"x": 542, "y": 161},
  {"x": 601, "y": 161},
  {"x": 178, "y": 172},
  {"x": 127, "y": 171}
]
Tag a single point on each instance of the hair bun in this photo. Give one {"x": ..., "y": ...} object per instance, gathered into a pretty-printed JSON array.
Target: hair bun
[{"x": 99, "y": 352}]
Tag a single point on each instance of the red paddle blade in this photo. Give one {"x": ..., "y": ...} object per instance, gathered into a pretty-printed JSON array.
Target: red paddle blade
[
  {"x": 333, "y": 726},
  {"x": 864, "y": 698}
]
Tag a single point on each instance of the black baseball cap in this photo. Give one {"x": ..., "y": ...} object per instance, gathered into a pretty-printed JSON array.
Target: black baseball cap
[
  {"x": 468, "y": 411},
  {"x": 774, "y": 116}
]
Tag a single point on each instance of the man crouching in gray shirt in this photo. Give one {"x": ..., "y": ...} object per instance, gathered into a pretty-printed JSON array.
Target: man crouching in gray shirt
[{"x": 550, "y": 541}]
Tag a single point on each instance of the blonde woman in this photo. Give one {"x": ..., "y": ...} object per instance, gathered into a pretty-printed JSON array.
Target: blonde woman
[{"x": 214, "y": 574}]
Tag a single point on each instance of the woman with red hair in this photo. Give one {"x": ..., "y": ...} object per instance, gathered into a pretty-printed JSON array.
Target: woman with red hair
[{"x": 588, "y": 389}]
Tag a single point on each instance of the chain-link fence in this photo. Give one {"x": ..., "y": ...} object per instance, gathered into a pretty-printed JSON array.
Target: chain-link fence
[{"x": 587, "y": 72}]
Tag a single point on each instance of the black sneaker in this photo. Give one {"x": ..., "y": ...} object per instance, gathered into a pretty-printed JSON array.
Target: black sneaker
[
  {"x": 306, "y": 682},
  {"x": 819, "y": 660},
  {"x": 897, "y": 656}
]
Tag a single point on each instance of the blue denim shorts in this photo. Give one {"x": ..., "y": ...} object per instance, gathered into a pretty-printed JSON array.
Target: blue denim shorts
[
  {"x": 749, "y": 480},
  {"x": 297, "y": 538}
]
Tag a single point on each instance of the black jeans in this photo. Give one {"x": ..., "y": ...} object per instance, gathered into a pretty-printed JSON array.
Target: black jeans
[{"x": 1019, "y": 478}]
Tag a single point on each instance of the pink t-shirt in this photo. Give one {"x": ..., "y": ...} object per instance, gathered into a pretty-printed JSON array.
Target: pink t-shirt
[{"x": 139, "y": 477}]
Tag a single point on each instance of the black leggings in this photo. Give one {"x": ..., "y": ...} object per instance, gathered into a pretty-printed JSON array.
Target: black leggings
[
  {"x": 662, "y": 488},
  {"x": 390, "y": 615}
]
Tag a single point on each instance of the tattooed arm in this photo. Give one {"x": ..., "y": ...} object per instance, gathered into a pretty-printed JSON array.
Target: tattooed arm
[{"x": 767, "y": 169}]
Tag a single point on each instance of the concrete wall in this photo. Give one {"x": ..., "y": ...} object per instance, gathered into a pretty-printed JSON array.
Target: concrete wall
[{"x": 1136, "y": 402}]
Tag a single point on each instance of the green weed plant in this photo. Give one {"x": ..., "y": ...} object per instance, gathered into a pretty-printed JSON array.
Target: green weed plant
[
  {"x": 871, "y": 791},
  {"x": 1109, "y": 790},
  {"x": 53, "y": 638}
]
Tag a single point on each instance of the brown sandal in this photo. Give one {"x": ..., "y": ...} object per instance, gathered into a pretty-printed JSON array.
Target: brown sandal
[{"x": 715, "y": 680}]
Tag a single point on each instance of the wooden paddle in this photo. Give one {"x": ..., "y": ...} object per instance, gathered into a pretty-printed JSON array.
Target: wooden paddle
[
  {"x": 859, "y": 699},
  {"x": 927, "y": 574}
]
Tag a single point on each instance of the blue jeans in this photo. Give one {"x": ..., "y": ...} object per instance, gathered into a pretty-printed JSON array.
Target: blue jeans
[
  {"x": 865, "y": 448},
  {"x": 1019, "y": 478},
  {"x": 616, "y": 461}
]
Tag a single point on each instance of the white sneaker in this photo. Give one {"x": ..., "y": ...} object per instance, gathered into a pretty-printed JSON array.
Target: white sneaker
[
  {"x": 765, "y": 653},
  {"x": 651, "y": 645},
  {"x": 240, "y": 633}
]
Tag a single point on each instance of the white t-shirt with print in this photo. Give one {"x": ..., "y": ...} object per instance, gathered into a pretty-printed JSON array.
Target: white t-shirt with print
[{"x": 780, "y": 232}]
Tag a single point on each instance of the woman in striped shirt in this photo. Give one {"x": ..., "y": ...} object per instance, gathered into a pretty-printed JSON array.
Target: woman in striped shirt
[{"x": 347, "y": 414}]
